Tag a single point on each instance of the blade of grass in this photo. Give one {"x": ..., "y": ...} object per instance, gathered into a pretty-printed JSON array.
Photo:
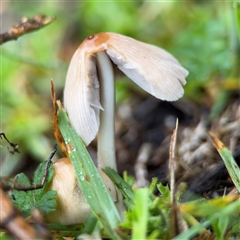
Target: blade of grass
[
  {"x": 228, "y": 160},
  {"x": 153, "y": 184},
  {"x": 90, "y": 224},
  {"x": 204, "y": 208},
  {"x": 59, "y": 230},
  {"x": 225, "y": 212},
  {"x": 122, "y": 186},
  {"x": 140, "y": 214},
  {"x": 88, "y": 177}
]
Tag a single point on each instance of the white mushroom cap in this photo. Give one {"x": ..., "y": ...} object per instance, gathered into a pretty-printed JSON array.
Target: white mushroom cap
[{"x": 152, "y": 68}]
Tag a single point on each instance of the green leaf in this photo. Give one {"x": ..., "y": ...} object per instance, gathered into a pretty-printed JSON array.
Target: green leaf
[
  {"x": 23, "y": 200},
  {"x": 88, "y": 177},
  {"x": 47, "y": 202},
  {"x": 38, "y": 176},
  {"x": 23, "y": 180},
  {"x": 26, "y": 201},
  {"x": 164, "y": 190}
]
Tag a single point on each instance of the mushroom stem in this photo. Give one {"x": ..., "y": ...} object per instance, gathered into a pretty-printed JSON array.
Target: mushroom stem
[{"x": 106, "y": 134}]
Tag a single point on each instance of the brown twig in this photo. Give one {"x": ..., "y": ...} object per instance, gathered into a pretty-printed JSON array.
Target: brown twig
[
  {"x": 13, "y": 145},
  {"x": 44, "y": 179},
  {"x": 20, "y": 187},
  {"x": 25, "y": 26}
]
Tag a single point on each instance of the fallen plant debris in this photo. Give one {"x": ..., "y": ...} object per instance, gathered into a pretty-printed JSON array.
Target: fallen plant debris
[
  {"x": 13, "y": 145},
  {"x": 26, "y": 25},
  {"x": 15, "y": 223}
]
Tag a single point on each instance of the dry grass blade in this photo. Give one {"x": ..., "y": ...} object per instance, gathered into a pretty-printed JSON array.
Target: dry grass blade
[
  {"x": 56, "y": 129},
  {"x": 177, "y": 222},
  {"x": 171, "y": 165}
]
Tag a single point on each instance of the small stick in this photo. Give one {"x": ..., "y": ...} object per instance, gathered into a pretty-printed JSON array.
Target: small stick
[
  {"x": 44, "y": 179},
  {"x": 13, "y": 145},
  {"x": 25, "y": 26},
  {"x": 47, "y": 166}
]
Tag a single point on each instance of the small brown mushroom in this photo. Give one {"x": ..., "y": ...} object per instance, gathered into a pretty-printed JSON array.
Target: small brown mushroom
[
  {"x": 89, "y": 86},
  {"x": 72, "y": 206}
]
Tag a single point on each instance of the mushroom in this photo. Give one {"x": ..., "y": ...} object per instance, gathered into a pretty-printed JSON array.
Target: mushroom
[
  {"x": 89, "y": 94},
  {"x": 72, "y": 206}
]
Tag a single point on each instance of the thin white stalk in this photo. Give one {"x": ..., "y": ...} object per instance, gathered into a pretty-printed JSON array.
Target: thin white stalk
[{"x": 106, "y": 134}]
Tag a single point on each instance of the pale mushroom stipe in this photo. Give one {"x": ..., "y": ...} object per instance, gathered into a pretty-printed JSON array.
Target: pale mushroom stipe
[{"x": 89, "y": 90}]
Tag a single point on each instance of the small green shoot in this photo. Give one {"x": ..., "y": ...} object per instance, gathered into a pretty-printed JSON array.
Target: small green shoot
[
  {"x": 140, "y": 214},
  {"x": 128, "y": 179},
  {"x": 137, "y": 218}
]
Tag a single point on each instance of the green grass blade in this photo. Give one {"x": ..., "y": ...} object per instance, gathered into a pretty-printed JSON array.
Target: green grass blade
[
  {"x": 224, "y": 213},
  {"x": 140, "y": 214},
  {"x": 228, "y": 159},
  {"x": 88, "y": 177},
  {"x": 59, "y": 230},
  {"x": 121, "y": 185},
  {"x": 90, "y": 224}
]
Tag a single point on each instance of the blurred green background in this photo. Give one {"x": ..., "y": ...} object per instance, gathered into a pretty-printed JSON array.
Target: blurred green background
[{"x": 202, "y": 35}]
